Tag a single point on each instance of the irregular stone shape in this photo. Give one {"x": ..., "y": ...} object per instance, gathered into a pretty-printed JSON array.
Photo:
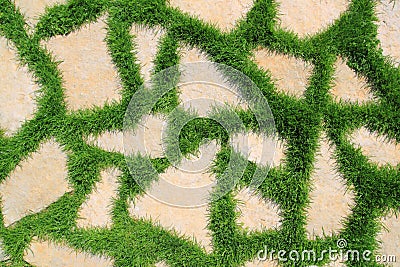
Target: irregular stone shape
[
  {"x": 191, "y": 222},
  {"x": 390, "y": 237},
  {"x": 388, "y": 13},
  {"x": 256, "y": 213},
  {"x": 146, "y": 41},
  {"x": 262, "y": 263},
  {"x": 348, "y": 86},
  {"x": 37, "y": 182},
  {"x": 330, "y": 201},
  {"x": 309, "y": 17},
  {"x": 89, "y": 76},
  {"x": 17, "y": 90},
  {"x": 96, "y": 211},
  {"x": 161, "y": 264},
  {"x": 46, "y": 254},
  {"x": 204, "y": 88},
  {"x": 223, "y": 13},
  {"x": 377, "y": 148},
  {"x": 289, "y": 74},
  {"x": 32, "y": 9},
  {"x": 258, "y": 149},
  {"x": 146, "y": 139}
]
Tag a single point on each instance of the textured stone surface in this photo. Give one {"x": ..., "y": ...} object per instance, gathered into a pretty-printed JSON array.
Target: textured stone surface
[
  {"x": 390, "y": 236},
  {"x": 348, "y": 86},
  {"x": 46, "y": 254},
  {"x": 257, "y": 213},
  {"x": 37, "y": 182},
  {"x": 85, "y": 59},
  {"x": 32, "y": 9},
  {"x": 96, "y": 211},
  {"x": 223, "y": 13},
  {"x": 146, "y": 139},
  {"x": 377, "y": 148},
  {"x": 17, "y": 90},
  {"x": 309, "y": 17},
  {"x": 330, "y": 202},
  {"x": 161, "y": 264},
  {"x": 289, "y": 74},
  {"x": 388, "y": 13}
]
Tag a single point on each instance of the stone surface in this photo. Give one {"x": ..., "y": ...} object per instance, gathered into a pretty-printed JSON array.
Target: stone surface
[
  {"x": 289, "y": 74},
  {"x": 17, "y": 90},
  {"x": 33, "y": 9},
  {"x": 161, "y": 264},
  {"x": 377, "y": 148},
  {"x": 37, "y": 182},
  {"x": 348, "y": 86},
  {"x": 390, "y": 237},
  {"x": 223, "y": 13},
  {"x": 96, "y": 211},
  {"x": 330, "y": 201},
  {"x": 309, "y": 17},
  {"x": 85, "y": 59},
  {"x": 46, "y": 254},
  {"x": 257, "y": 213},
  {"x": 146, "y": 139},
  {"x": 257, "y": 263},
  {"x": 388, "y": 13}
]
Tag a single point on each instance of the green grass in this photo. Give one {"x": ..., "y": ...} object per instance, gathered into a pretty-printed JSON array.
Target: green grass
[{"x": 300, "y": 122}]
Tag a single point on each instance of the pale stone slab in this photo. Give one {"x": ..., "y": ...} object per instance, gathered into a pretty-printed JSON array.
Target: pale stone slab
[
  {"x": 309, "y": 17},
  {"x": 89, "y": 76},
  {"x": 96, "y": 211},
  {"x": 289, "y": 74},
  {"x": 390, "y": 237},
  {"x": 191, "y": 222},
  {"x": 331, "y": 203},
  {"x": 257, "y": 213},
  {"x": 33, "y": 9},
  {"x": 377, "y": 148},
  {"x": 17, "y": 90},
  {"x": 147, "y": 139},
  {"x": 47, "y": 254},
  {"x": 161, "y": 264},
  {"x": 37, "y": 182},
  {"x": 348, "y": 86},
  {"x": 388, "y": 13},
  {"x": 223, "y": 13}
]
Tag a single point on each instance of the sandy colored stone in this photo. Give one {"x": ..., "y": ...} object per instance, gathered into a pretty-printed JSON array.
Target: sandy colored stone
[
  {"x": 377, "y": 148},
  {"x": 331, "y": 203},
  {"x": 47, "y": 254},
  {"x": 258, "y": 263},
  {"x": 309, "y": 17},
  {"x": 146, "y": 139},
  {"x": 192, "y": 222},
  {"x": 33, "y": 9},
  {"x": 37, "y": 182},
  {"x": 388, "y": 13},
  {"x": 259, "y": 149},
  {"x": 146, "y": 41},
  {"x": 348, "y": 86},
  {"x": 257, "y": 213},
  {"x": 17, "y": 90},
  {"x": 161, "y": 264},
  {"x": 223, "y": 13},
  {"x": 89, "y": 76},
  {"x": 390, "y": 237},
  {"x": 96, "y": 211},
  {"x": 289, "y": 74}
]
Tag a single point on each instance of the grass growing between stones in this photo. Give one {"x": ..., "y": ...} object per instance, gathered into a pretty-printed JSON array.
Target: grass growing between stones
[{"x": 300, "y": 122}]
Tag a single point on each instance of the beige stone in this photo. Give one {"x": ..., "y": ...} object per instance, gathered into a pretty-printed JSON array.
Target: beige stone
[
  {"x": 348, "y": 86},
  {"x": 89, "y": 76},
  {"x": 33, "y": 9},
  {"x": 191, "y": 222},
  {"x": 47, "y": 254},
  {"x": 388, "y": 13},
  {"x": 257, "y": 213},
  {"x": 289, "y": 74},
  {"x": 377, "y": 148},
  {"x": 17, "y": 90},
  {"x": 259, "y": 149},
  {"x": 161, "y": 264},
  {"x": 96, "y": 211},
  {"x": 309, "y": 17},
  {"x": 146, "y": 139},
  {"x": 37, "y": 182},
  {"x": 223, "y": 13},
  {"x": 390, "y": 237},
  {"x": 331, "y": 203}
]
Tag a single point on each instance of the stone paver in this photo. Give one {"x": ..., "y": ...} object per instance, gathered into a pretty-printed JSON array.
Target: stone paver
[
  {"x": 33, "y": 9},
  {"x": 390, "y": 237},
  {"x": 37, "y": 182}
]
